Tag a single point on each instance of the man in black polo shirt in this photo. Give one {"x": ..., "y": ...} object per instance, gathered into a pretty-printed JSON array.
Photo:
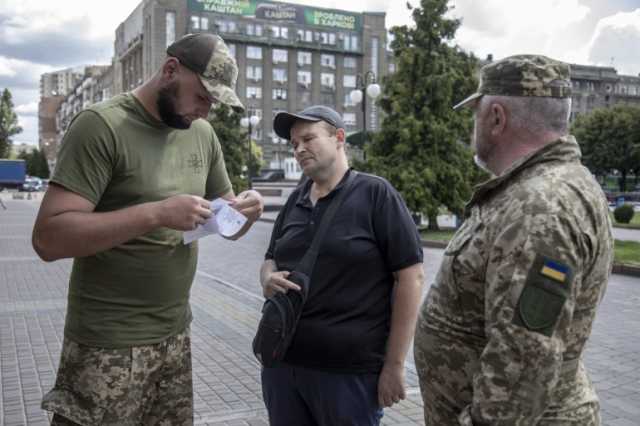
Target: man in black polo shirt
[{"x": 346, "y": 361}]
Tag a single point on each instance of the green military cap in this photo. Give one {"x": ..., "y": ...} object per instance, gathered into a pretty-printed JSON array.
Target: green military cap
[
  {"x": 208, "y": 56},
  {"x": 523, "y": 75}
]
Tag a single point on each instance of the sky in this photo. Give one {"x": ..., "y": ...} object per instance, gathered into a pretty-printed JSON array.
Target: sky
[{"x": 38, "y": 37}]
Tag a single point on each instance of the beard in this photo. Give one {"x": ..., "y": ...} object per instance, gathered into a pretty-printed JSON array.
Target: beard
[{"x": 166, "y": 103}]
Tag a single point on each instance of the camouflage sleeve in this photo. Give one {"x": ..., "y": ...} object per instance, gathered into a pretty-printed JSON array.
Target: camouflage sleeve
[{"x": 530, "y": 297}]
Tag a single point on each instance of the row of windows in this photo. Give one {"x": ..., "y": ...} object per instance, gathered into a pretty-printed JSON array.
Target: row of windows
[
  {"x": 254, "y": 72},
  {"x": 608, "y": 87},
  {"x": 304, "y": 58},
  {"x": 345, "y": 40},
  {"x": 280, "y": 93}
]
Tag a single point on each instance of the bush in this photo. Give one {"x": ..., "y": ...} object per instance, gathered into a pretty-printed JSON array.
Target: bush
[{"x": 624, "y": 213}]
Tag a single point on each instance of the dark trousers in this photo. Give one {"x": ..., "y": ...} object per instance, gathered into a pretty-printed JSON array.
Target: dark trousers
[{"x": 303, "y": 397}]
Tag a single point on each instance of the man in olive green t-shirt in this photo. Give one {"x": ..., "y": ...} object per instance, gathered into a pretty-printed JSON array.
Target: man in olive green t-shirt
[{"x": 133, "y": 173}]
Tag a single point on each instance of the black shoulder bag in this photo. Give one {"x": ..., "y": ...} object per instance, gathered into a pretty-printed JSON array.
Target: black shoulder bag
[{"x": 281, "y": 312}]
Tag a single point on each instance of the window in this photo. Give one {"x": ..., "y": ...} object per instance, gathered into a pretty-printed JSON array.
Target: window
[
  {"x": 305, "y": 98},
  {"x": 279, "y": 32},
  {"x": 280, "y": 94},
  {"x": 328, "y": 99},
  {"x": 195, "y": 22},
  {"x": 254, "y": 92},
  {"x": 347, "y": 100},
  {"x": 232, "y": 49},
  {"x": 349, "y": 81},
  {"x": 328, "y": 61},
  {"x": 349, "y": 118},
  {"x": 254, "y": 72},
  {"x": 254, "y": 111},
  {"x": 350, "y": 62},
  {"x": 354, "y": 42},
  {"x": 305, "y": 35},
  {"x": 304, "y": 78},
  {"x": 328, "y": 80},
  {"x": 204, "y": 23},
  {"x": 254, "y": 30},
  {"x": 227, "y": 26},
  {"x": 254, "y": 52},
  {"x": 280, "y": 55},
  {"x": 170, "y": 28},
  {"x": 279, "y": 75},
  {"x": 304, "y": 58},
  {"x": 332, "y": 39},
  {"x": 392, "y": 67}
]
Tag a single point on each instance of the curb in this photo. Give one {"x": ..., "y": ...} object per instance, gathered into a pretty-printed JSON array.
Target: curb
[
  {"x": 434, "y": 244},
  {"x": 629, "y": 270}
]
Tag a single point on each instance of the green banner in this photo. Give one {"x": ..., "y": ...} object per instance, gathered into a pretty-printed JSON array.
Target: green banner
[
  {"x": 333, "y": 19},
  {"x": 280, "y": 12}
]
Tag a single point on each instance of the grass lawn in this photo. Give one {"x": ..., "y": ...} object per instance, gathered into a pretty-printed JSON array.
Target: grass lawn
[
  {"x": 627, "y": 252},
  {"x": 436, "y": 235}
]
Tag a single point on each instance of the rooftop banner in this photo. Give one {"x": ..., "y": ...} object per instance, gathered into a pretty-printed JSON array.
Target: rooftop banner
[{"x": 280, "y": 12}]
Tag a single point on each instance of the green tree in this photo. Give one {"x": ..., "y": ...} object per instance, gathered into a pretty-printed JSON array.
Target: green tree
[
  {"x": 36, "y": 163},
  {"x": 234, "y": 142},
  {"x": 610, "y": 141},
  {"x": 421, "y": 148},
  {"x": 8, "y": 123}
]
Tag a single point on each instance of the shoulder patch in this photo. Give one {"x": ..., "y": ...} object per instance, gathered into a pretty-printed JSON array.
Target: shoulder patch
[{"x": 545, "y": 291}]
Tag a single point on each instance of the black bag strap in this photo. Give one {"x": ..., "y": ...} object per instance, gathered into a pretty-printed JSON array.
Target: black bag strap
[{"x": 308, "y": 262}]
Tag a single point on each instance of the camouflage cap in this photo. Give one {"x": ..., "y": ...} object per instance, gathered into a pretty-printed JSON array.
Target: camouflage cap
[
  {"x": 523, "y": 75},
  {"x": 208, "y": 56}
]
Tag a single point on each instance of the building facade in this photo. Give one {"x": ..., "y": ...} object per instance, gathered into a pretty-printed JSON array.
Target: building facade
[
  {"x": 601, "y": 87},
  {"x": 59, "y": 83},
  {"x": 289, "y": 56}
]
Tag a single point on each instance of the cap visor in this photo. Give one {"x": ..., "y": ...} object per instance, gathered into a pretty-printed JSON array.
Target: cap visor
[
  {"x": 283, "y": 122},
  {"x": 467, "y": 101},
  {"x": 223, "y": 94}
]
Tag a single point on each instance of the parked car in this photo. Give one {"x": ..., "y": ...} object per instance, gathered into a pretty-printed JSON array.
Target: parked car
[
  {"x": 32, "y": 184},
  {"x": 269, "y": 175}
]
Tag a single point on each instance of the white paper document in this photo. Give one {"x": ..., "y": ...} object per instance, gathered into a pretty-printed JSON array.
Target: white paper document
[{"x": 224, "y": 220}]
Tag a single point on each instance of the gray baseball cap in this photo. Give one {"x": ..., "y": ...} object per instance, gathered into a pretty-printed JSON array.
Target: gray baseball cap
[{"x": 284, "y": 121}]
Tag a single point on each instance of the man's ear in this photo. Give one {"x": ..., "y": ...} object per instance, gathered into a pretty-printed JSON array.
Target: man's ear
[
  {"x": 340, "y": 136},
  {"x": 498, "y": 119},
  {"x": 170, "y": 69}
]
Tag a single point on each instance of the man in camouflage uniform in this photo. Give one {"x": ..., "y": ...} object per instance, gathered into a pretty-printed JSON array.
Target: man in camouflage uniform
[
  {"x": 133, "y": 173},
  {"x": 501, "y": 332}
]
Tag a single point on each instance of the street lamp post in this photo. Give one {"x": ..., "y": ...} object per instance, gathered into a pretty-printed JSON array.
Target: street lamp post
[
  {"x": 249, "y": 123},
  {"x": 366, "y": 83}
]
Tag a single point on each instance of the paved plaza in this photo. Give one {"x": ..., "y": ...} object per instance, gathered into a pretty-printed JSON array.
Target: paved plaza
[{"x": 226, "y": 302}]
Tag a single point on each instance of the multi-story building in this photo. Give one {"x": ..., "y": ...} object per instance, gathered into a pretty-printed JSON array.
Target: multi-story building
[
  {"x": 59, "y": 83},
  {"x": 289, "y": 56},
  {"x": 601, "y": 87}
]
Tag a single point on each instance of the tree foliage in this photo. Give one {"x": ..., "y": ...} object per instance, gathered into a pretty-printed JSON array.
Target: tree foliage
[
  {"x": 421, "y": 148},
  {"x": 610, "y": 141},
  {"x": 36, "y": 163},
  {"x": 8, "y": 123},
  {"x": 235, "y": 146}
]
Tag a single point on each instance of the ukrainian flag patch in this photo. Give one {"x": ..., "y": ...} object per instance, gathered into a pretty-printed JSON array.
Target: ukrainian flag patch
[{"x": 554, "y": 270}]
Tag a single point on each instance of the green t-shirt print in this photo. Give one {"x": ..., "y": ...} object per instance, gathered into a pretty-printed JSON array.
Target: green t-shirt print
[{"x": 116, "y": 155}]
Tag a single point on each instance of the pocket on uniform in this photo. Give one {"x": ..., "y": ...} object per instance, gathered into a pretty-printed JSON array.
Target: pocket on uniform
[
  {"x": 72, "y": 406},
  {"x": 89, "y": 381}
]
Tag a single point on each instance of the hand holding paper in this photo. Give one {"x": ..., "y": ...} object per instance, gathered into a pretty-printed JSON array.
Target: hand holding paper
[{"x": 225, "y": 221}]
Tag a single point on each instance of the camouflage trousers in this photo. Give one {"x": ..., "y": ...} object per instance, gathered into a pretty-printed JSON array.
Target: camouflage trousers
[{"x": 141, "y": 385}]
